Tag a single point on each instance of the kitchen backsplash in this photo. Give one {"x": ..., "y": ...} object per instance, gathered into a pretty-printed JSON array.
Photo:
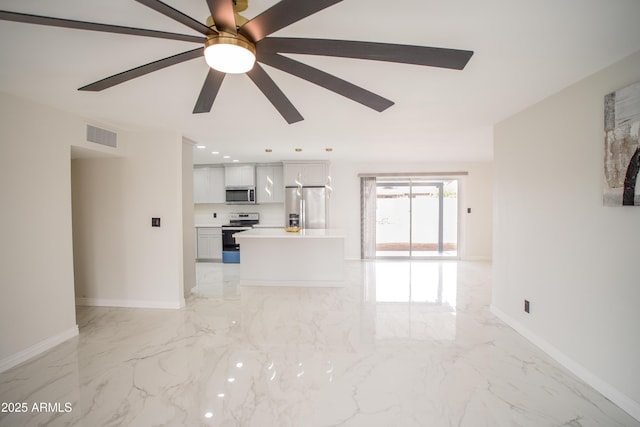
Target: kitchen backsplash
[{"x": 270, "y": 214}]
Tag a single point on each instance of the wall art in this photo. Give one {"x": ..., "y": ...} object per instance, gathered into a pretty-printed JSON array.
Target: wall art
[{"x": 622, "y": 147}]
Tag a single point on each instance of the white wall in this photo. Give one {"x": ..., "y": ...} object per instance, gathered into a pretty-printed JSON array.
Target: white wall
[
  {"x": 120, "y": 259},
  {"x": 188, "y": 218},
  {"x": 476, "y": 192},
  {"x": 557, "y": 246},
  {"x": 37, "y": 308}
]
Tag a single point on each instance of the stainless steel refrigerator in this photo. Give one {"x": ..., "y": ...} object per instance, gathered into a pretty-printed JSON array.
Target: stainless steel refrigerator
[{"x": 309, "y": 203}]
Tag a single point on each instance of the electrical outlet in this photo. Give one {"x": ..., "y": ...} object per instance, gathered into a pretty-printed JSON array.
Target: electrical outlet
[
  {"x": 526, "y": 306},
  {"x": 215, "y": 215},
  {"x": 468, "y": 210}
]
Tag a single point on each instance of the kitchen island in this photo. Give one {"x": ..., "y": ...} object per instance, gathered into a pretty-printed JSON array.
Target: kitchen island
[{"x": 274, "y": 257}]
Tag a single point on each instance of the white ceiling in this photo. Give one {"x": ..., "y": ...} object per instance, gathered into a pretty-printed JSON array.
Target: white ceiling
[{"x": 525, "y": 50}]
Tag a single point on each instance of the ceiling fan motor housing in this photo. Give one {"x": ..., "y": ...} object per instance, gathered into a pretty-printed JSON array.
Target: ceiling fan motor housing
[{"x": 218, "y": 48}]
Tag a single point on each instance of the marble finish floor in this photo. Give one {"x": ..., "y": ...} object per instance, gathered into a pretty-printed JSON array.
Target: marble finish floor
[{"x": 403, "y": 344}]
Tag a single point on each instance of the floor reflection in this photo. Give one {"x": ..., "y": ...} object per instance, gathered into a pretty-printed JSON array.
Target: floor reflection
[
  {"x": 413, "y": 299},
  {"x": 415, "y": 281},
  {"x": 216, "y": 280}
]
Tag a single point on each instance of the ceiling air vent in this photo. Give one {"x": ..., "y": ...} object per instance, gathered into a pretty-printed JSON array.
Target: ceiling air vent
[{"x": 102, "y": 136}]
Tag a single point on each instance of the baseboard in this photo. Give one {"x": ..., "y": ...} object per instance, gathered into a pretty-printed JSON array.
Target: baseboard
[
  {"x": 103, "y": 302},
  {"x": 607, "y": 390},
  {"x": 38, "y": 348}
]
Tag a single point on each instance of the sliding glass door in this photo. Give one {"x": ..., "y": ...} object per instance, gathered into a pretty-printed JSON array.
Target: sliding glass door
[
  {"x": 416, "y": 218},
  {"x": 426, "y": 219},
  {"x": 393, "y": 229}
]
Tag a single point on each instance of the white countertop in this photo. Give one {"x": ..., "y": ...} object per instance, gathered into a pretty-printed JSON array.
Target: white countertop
[
  {"x": 205, "y": 225},
  {"x": 280, "y": 233}
]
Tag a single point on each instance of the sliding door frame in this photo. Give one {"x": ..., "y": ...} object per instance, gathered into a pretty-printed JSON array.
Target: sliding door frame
[{"x": 411, "y": 180}]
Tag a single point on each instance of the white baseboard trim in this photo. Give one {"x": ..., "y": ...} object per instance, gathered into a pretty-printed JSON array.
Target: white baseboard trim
[
  {"x": 607, "y": 390},
  {"x": 36, "y": 349},
  {"x": 103, "y": 302}
]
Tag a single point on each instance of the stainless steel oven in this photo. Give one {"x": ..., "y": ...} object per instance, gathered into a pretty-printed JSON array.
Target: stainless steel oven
[{"x": 238, "y": 222}]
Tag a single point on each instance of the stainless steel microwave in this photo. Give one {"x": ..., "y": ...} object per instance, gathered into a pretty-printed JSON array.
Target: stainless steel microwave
[{"x": 241, "y": 195}]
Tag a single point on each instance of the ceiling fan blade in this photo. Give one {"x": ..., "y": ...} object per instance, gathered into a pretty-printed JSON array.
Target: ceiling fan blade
[
  {"x": 116, "y": 79},
  {"x": 222, "y": 14},
  {"x": 283, "y": 13},
  {"x": 325, "y": 80},
  {"x": 209, "y": 91},
  {"x": 418, "y": 55},
  {"x": 92, "y": 26},
  {"x": 274, "y": 94},
  {"x": 176, "y": 15}
]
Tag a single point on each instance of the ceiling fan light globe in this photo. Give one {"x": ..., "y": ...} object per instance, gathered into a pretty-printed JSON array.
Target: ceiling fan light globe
[{"x": 229, "y": 55}]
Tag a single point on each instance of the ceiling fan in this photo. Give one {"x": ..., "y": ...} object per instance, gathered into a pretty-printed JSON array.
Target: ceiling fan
[{"x": 233, "y": 44}]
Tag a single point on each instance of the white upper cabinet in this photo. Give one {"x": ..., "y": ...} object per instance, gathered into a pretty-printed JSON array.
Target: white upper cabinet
[
  {"x": 217, "y": 183},
  {"x": 264, "y": 173},
  {"x": 240, "y": 176},
  {"x": 208, "y": 184},
  {"x": 311, "y": 173},
  {"x": 201, "y": 186}
]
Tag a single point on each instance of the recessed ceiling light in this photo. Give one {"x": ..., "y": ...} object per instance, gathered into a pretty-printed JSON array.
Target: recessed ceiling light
[
  {"x": 236, "y": 161},
  {"x": 215, "y": 152},
  {"x": 201, "y": 146},
  {"x": 226, "y": 157}
]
